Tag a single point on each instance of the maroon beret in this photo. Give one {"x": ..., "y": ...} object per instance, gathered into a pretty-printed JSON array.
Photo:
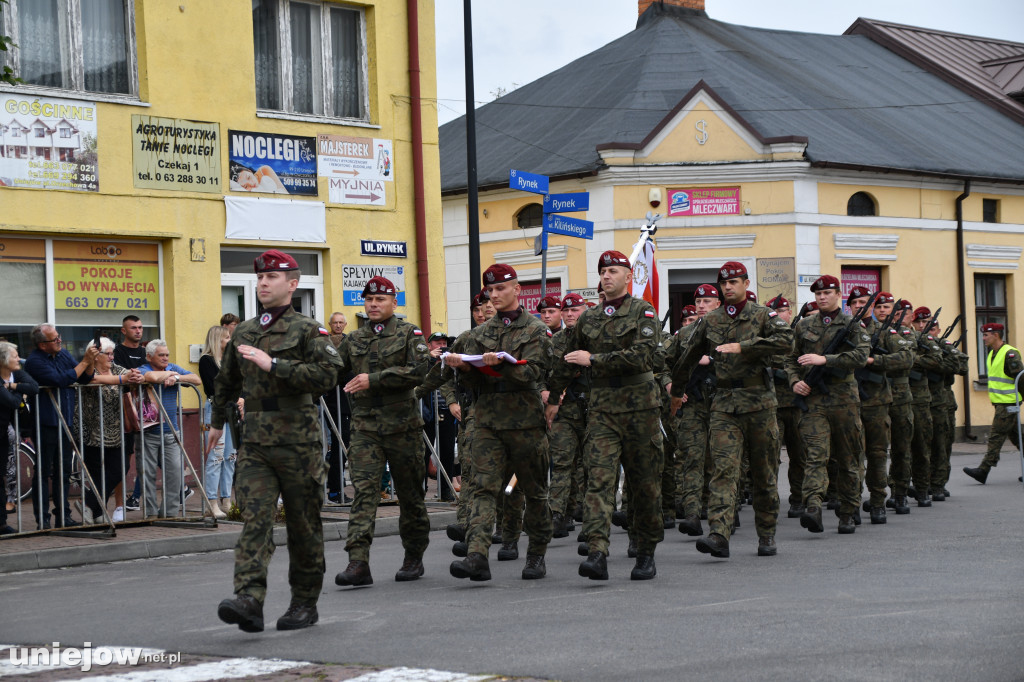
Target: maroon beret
[
  {"x": 922, "y": 313},
  {"x": 499, "y": 272},
  {"x": 808, "y": 307},
  {"x": 689, "y": 310},
  {"x": 730, "y": 270},
  {"x": 613, "y": 258},
  {"x": 480, "y": 299},
  {"x": 824, "y": 282},
  {"x": 859, "y": 292},
  {"x": 991, "y": 327},
  {"x": 549, "y": 302},
  {"x": 778, "y": 303},
  {"x": 883, "y": 297},
  {"x": 379, "y": 285},
  {"x": 273, "y": 259},
  {"x": 706, "y": 291},
  {"x": 572, "y": 300},
  {"x": 751, "y": 296}
]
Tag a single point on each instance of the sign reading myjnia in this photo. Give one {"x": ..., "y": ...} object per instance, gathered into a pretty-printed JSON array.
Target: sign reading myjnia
[{"x": 570, "y": 227}]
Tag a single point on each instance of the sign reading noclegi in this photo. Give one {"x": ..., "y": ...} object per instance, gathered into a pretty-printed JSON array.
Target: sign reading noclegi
[
  {"x": 175, "y": 154},
  {"x": 355, "y": 277},
  {"x": 272, "y": 163},
  {"x": 356, "y": 168},
  {"x": 704, "y": 201}
]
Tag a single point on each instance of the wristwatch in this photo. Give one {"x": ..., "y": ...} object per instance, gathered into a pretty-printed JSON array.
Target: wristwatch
[{"x": 273, "y": 364}]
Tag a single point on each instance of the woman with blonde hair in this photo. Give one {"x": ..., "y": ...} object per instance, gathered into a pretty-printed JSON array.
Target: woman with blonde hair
[{"x": 220, "y": 460}]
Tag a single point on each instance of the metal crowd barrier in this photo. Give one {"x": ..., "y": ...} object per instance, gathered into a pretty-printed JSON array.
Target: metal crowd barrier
[{"x": 1020, "y": 442}]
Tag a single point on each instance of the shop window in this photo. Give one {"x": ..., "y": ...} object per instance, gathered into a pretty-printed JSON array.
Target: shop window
[
  {"x": 84, "y": 45},
  {"x": 530, "y": 216},
  {"x": 990, "y": 210},
  {"x": 310, "y": 58},
  {"x": 861, "y": 204},
  {"x": 989, "y": 306}
]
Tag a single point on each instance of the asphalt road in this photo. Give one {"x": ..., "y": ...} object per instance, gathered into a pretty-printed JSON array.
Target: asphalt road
[{"x": 936, "y": 595}]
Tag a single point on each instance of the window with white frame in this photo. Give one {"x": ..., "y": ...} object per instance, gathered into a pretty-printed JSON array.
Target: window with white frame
[
  {"x": 84, "y": 45},
  {"x": 310, "y": 58}
]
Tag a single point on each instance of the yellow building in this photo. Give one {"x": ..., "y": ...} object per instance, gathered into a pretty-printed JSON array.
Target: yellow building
[
  {"x": 794, "y": 154},
  {"x": 156, "y": 147}
]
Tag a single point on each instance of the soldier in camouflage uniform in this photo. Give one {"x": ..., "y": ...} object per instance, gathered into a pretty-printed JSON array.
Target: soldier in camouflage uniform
[
  {"x": 741, "y": 336},
  {"x": 901, "y": 413},
  {"x": 942, "y": 427},
  {"x": 891, "y": 353},
  {"x": 617, "y": 341},
  {"x": 1003, "y": 364},
  {"x": 510, "y": 429},
  {"x": 567, "y": 432},
  {"x": 693, "y": 455},
  {"x": 963, "y": 366},
  {"x": 278, "y": 363},
  {"x": 832, "y": 420},
  {"x": 389, "y": 359},
  {"x": 928, "y": 359},
  {"x": 787, "y": 415}
]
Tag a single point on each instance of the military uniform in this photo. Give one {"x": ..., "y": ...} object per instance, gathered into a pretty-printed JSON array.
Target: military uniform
[
  {"x": 281, "y": 452},
  {"x": 567, "y": 436},
  {"x": 942, "y": 426},
  {"x": 743, "y": 411},
  {"x": 901, "y": 419},
  {"x": 386, "y": 428},
  {"x": 832, "y": 420},
  {"x": 928, "y": 359}
]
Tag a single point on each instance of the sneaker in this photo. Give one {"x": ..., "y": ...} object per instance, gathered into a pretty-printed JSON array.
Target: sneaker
[
  {"x": 118, "y": 514},
  {"x": 334, "y": 500},
  {"x": 86, "y": 513},
  {"x": 189, "y": 492},
  {"x": 132, "y": 504}
]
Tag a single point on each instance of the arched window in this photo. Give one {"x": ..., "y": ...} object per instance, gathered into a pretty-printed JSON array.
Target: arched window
[
  {"x": 861, "y": 203},
  {"x": 530, "y": 216}
]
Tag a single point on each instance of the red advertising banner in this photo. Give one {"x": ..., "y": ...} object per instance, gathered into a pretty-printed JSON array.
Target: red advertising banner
[
  {"x": 530, "y": 296},
  {"x": 870, "y": 278},
  {"x": 709, "y": 201}
]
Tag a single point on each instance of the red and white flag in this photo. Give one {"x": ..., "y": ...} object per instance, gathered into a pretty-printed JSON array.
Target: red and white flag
[{"x": 645, "y": 275}]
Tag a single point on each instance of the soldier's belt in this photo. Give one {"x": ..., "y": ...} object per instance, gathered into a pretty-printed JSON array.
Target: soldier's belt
[
  {"x": 618, "y": 382},
  {"x": 504, "y": 387},
  {"x": 284, "y": 402},
  {"x": 386, "y": 399},
  {"x": 915, "y": 375},
  {"x": 934, "y": 378},
  {"x": 865, "y": 374},
  {"x": 745, "y": 382},
  {"x": 780, "y": 376}
]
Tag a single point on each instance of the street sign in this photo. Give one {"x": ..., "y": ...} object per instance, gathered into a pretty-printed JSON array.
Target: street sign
[
  {"x": 570, "y": 227},
  {"x": 372, "y": 247},
  {"x": 528, "y": 182},
  {"x": 540, "y": 243},
  {"x": 567, "y": 203}
]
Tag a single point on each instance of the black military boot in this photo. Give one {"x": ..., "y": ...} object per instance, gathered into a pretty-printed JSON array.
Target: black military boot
[
  {"x": 691, "y": 526},
  {"x": 460, "y": 549},
  {"x": 357, "y": 573},
  {"x": 631, "y": 550},
  {"x": 832, "y": 504},
  {"x": 535, "y": 568},
  {"x": 495, "y": 538},
  {"x": 620, "y": 519},
  {"x": 704, "y": 514},
  {"x": 865, "y": 506},
  {"x": 509, "y": 551},
  {"x": 583, "y": 549},
  {"x": 938, "y": 495},
  {"x": 569, "y": 525},
  {"x": 891, "y": 503},
  {"x": 846, "y": 524},
  {"x": 558, "y": 529},
  {"x": 856, "y": 518},
  {"x": 766, "y": 546},
  {"x": 901, "y": 506},
  {"x": 795, "y": 510},
  {"x": 582, "y": 537},
  {"x": 977, "y": 473},
  {"x": 298, "y": 616},
  {"x": 412, "y": 569},
  {"x": 715, "y": 545},
  {"x": 242, "y": 610},
  {"x": 456, "y": 532},
  {"x": 811, "y": 520},
  {"x": 736, "y": 521},
  {"x": 670, "y": 521},
  {"x": 595, "y": 567},
  {"x": 680, "y": 511},
  {"x": 924, "y": 501},
  {"x": 877, "y": 515},
  {"x": 644, "y": 568},
  {"x": 474, "y": 567},
  {"x": 577, "y": 513}
]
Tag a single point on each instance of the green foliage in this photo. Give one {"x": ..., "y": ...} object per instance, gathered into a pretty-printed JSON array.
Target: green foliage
[{"x": 6, "y": 42}]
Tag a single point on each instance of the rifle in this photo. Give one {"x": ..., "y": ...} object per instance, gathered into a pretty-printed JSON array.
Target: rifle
[
  {"x": 864, "y": 374},
  {"x": 951, "y": 327},
  {"x": 931, "y": 322},
  {"x": 815, "y": 377}
]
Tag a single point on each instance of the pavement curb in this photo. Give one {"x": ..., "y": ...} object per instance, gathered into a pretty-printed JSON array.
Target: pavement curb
[{"x": 202, "y": 541}]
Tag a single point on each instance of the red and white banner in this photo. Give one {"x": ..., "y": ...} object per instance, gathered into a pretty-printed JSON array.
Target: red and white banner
[{"x": 645, "y": 275}]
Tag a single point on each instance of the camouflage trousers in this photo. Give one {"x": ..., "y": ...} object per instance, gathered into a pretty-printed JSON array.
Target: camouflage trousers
[
  {"x": 942, "y": 434},
  {"x": 634, "y": 439},
  {"x": 566, "y": 445},
  {"x": 508, "y": 512},
  {"x": 668, "y": 465},
  {"x": 1004, "y": 425},
  {"x": 873, "y": 472},
  {"x": 757, "y": 434},
  {"x": 921, "y": 448},
  {"x": 901, "y": 418},
  {"x": 496, "y": 454},
  {"x": 368, "y": 454},
  {"x": 297, "y": 474},
  {"x": 834, "y": 429},
  {"x": 788, "y": 419},
  {"x": 465, "y": 439},
  {"x": 691, "y": 454}
]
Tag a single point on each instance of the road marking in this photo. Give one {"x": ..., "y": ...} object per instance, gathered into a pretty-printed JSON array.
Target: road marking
[
  {"x": 231, "y": 668},
  {"x": 418, "y": 675}
]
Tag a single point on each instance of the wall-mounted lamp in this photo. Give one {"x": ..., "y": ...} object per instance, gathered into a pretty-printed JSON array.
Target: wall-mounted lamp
[
  {"x": 654, "y": 197},
  {"x": 485, "y": 212}
]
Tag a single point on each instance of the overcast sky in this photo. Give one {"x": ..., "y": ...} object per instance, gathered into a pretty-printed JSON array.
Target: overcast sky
[{"x": 516, "y": 42}]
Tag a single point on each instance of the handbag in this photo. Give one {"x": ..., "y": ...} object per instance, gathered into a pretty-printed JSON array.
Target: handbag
[{"x": 131, "y": 414}]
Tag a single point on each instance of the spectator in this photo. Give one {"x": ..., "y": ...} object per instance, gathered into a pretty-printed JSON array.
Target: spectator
[
  {"x": 131, "y": 354},
  {"x": 338, "y": 324},
  {"x": 340, "y": 406},
  {"x": 55, "y": 370},
  {"x": 17, "y": 384},
  {"x": 229, "y": 321},
  {"x": 440, "y": 424},
  {"x": 220, "y": 460},
  {"x": 101, "y": 444},
  {"x": 159, "y": 444}
]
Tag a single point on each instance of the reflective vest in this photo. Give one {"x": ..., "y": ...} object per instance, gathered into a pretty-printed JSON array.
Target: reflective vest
[{"x": 1000, "y": 386}]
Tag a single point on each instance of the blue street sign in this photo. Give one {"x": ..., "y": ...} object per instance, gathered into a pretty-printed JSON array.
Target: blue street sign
[
  {"x": 528, "y": 182},
  {"x": 567, "y": 203},
  {"x": 570, "y": 227}
]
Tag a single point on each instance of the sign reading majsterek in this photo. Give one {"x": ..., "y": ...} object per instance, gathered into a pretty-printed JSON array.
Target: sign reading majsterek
[{"x": 356, "y": 168}]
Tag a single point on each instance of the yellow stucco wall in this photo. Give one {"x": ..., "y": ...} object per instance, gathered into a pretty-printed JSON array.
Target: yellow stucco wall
[{"x": 196, "y": 62}]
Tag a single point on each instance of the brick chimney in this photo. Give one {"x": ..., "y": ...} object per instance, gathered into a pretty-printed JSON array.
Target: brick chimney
[{"x": 687, "y": 4}]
